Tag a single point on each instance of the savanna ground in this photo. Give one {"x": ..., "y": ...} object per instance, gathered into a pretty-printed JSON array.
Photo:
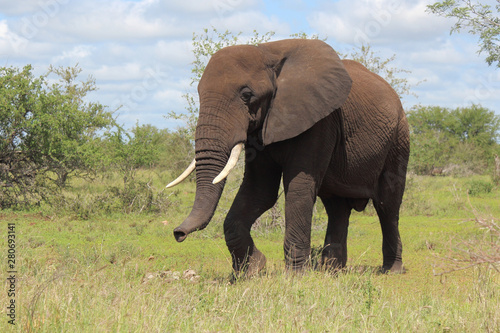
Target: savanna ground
[{"x": 118, "y": 272}]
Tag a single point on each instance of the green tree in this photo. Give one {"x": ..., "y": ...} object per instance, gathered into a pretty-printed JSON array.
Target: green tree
[
  {"x": 465, "y": 136},
  {"x": 70, "y": 126},
  {"x": 130, "y": 150},
  {"x": 432, "y": 144},
  {"x": 476, "y": 124},
  {"x": 48, "y": 132},
  {"x": 479, "y": 19},
  {"x": 146, "y": 147},
  {"x": 473, "y": 124},
  {"x": 175, "y": 151}
]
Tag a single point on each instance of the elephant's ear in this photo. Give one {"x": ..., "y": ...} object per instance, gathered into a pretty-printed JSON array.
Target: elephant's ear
[{"x": 311, "y": 82}]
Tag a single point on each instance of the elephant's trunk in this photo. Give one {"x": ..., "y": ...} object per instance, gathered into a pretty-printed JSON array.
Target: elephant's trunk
[
  {"x": 212, "y": 167},
  {"x": 208, "y": 165},
  {"x": 204, "y": 208},
  {"x": 219, "y": 129}
]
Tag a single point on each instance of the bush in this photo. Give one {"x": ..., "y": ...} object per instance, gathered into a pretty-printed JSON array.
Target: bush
[
  {"x": 135, "y": 196},
  {"x": 146, "y": 146},
  {"x": 479, "y": 187},
  {"x": 465, "y": 138},
  {"x": 48, "y": 133}
]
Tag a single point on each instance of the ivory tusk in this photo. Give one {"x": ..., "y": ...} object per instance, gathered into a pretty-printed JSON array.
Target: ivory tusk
[
  {"x": 184, "y": 175},
  {"x": 231, "y": 162}
]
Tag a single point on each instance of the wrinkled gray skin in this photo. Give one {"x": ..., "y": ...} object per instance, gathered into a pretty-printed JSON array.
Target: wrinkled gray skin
[{"x": 328, "y": 128}]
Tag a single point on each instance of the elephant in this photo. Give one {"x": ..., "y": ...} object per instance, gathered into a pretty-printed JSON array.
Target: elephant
[{"x": 325, "y": 127}]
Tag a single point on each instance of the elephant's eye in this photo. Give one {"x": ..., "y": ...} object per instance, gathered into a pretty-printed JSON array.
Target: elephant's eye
[{"x": 246, "y": 95}]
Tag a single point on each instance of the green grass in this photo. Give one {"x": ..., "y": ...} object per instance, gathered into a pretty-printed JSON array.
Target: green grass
[{"x": 116, "y": 272}]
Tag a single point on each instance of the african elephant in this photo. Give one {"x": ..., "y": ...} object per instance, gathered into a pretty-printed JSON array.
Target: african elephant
[{"x": 327, "y": 127}]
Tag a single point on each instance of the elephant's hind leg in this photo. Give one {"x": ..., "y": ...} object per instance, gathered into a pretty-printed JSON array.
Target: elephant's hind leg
[
  {"x": 387, "y": 206},
  {"x": 390, "y": 196},
  {"x": 392, "y": 247},
  {"x": 257, "y": 194},
  {"x": 334, "y": 255}
]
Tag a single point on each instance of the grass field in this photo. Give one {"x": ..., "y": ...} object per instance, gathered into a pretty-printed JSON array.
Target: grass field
[{"x": 117, "y": 272}]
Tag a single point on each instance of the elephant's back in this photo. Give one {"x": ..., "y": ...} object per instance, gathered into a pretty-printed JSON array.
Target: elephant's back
[
  {"x": 369, "y": 87},
  {"x": 373, "y": 109}
]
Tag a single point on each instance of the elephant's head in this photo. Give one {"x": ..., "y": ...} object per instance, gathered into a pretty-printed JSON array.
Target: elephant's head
[{"x": 280, "y": 89}]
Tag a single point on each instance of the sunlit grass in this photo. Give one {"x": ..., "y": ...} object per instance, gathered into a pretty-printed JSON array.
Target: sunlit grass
[{"x": 124, "y": 272}]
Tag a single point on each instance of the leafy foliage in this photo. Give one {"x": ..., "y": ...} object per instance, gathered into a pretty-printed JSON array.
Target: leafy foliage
[
  {"x": 146, "y": 146},
  {"x": 49, "y": 132},
  {"x": 443, "y": 137},
  {"x": 479, "y": 19},
  {"x": 479, "y": 187},
  {"x": 131, "y": 150},
  {"x": 128, "y": 152}
]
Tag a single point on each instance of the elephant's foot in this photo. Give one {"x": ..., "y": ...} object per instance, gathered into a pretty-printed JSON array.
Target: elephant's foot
[
  {"x": 395, "y": 267},
  {"x": 333, "y": 257},
  {"x": 297, "y": 269},
  {"x": 256, "y": 263},
  {"x": 298, "y": 262},
  {"x": 250, "y": 266}
]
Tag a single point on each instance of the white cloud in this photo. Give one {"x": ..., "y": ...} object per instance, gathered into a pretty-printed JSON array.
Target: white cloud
[
  {"x": 140, "y": 51},
  {"x": 17, "y": 49},
  {"x": 174, "y": 52},
  {"x": 248, "y": 21},
  {"x": 446, "y": 53},
  {"x": 218, "y": 8},
  {"x": 121, "y": 72},
  {"x": 170, "y": 97},
  {"x": 118, "y": 20},
  {"x": 75, "y": 54},
  {"x": 10, "y": 7},
  {"x": 381, "y": 21},
  {"x": 92, "y": 20},
  {"x": 421, "y": 42},
  {"x": 10, "y": 42}
]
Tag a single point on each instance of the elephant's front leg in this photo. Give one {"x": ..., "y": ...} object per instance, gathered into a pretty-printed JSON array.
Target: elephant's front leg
[
  {"x": 258, "y": 193},
  {"x": 300, "y": 196}
]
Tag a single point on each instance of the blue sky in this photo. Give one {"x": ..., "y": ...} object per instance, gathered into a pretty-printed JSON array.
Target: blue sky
[{"x": 140, "y": 51}]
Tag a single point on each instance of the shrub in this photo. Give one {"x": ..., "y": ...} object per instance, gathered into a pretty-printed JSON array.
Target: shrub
[
  {"x": 48, "y": 133},
  {"x": 479, "y": 187},
  {"x": 441, "y": 138}
]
